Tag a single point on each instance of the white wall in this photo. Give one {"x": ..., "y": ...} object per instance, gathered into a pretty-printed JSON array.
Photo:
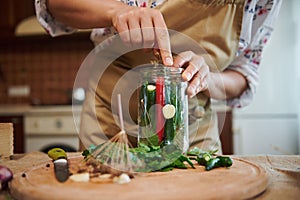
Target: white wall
[
  {"x": 276, "y": 93},
  {"x": 296, "y": 19},
  {"x": 270, "y": 125}
]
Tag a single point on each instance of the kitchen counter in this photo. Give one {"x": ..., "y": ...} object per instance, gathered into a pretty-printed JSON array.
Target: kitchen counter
[
  {"x": 283, "y": 172},
  {"x": 34, "y": 126},
  {"x": 12, "y": 110}
]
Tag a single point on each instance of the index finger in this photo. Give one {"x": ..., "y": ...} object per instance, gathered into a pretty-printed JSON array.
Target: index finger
[{"x": 163, "y": 40}]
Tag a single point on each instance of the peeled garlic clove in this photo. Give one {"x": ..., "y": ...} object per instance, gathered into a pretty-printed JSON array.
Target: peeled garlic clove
[
  {"x": 82, "y": 177},
  {"x": 122, "y": 179},
  {"x": 169, "y": 111}
]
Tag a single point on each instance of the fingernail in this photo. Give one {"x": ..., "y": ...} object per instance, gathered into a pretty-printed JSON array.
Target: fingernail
[{"x": 169, "y": 61}]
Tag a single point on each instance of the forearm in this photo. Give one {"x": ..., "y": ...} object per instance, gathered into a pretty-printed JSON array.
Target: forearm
[
  {"x": 85, "y": 13},
  {"x": 226, "y": 85}
]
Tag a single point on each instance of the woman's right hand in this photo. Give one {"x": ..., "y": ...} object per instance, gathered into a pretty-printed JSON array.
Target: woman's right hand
[
  {"x": 141, "y": 26},
  {"x": 144, "y": 27}
]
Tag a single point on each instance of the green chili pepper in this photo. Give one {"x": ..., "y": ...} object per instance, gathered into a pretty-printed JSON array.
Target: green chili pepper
[
  {"x": 151, "y": 98},
  {"x": 151, "y": 94},
  {"x": 225, "y": 161},
  {"x": 203, "y": 158},
  {"x": 219, "y": 161},
  {"x": 168, "y": 132},
  {"x": 169, "y": 112},
  {"x": 212, "y": 163},
  {"x": 144, "y": 119}
]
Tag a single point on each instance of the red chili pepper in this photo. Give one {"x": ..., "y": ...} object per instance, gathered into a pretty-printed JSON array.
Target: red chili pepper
[{"x": 160, "y": 100}]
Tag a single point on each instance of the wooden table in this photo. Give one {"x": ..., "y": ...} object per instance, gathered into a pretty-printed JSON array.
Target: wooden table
[{"x": 283, "y": 172}]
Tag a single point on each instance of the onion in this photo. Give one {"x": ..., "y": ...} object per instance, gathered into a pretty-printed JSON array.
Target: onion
[{"x": 5, "y": 176}]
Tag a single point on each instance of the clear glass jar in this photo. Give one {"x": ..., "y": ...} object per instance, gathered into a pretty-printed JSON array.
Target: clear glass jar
[{"x": 162, "y": 107}]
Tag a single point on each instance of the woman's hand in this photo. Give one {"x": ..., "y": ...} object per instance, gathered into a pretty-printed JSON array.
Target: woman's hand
[
  {"x": 196, "y": 71},
  {"x": 144, "y": 27},
  {"x": 223, "y": 85},
  {"x": 141, "y": 26}
]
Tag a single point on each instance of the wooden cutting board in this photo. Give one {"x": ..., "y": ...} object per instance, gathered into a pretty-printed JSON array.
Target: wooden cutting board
[{"x": 242, "y": 180}]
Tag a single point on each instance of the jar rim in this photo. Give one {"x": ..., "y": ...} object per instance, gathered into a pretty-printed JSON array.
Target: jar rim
[{"x": 160, "y": 69}]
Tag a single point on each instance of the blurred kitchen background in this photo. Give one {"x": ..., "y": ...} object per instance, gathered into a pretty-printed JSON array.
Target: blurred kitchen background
[
  {"x": 271, "y": 124},
  {"x": 37, "y": 74}
]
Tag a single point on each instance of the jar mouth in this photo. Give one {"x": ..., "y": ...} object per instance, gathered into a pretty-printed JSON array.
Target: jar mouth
[{"x": 160, "y": 70}]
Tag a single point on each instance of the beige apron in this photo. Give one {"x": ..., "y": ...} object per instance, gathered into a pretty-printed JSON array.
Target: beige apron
[{"x": 214, "y": 26}]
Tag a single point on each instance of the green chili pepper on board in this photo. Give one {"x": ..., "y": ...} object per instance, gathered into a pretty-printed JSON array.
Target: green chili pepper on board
[
  {"x": 203, "y": 158},
  {"x": 225, "y": 161},
  {"x": 219, "y": 161},
  {"x": 209, "y": 159},
  {"x": 212, "y": 163}
]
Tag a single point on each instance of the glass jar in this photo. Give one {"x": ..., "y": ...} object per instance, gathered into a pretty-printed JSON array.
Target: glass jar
[{"x": 162, "y": 107}]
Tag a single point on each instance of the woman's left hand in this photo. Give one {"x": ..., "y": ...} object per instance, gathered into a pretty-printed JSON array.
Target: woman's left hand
[{"x": 196, "y": 71}]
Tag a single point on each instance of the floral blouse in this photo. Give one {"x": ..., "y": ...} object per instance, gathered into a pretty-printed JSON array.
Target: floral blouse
[{"x": 258, "y": 22}]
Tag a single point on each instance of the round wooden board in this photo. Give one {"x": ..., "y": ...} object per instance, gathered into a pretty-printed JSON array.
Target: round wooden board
[{"x": 242, "y": 180}]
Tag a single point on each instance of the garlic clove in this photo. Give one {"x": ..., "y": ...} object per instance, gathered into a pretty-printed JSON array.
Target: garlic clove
[
  {"x": 122, "y": 179},
  {"x": 82, "y": 177}
]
